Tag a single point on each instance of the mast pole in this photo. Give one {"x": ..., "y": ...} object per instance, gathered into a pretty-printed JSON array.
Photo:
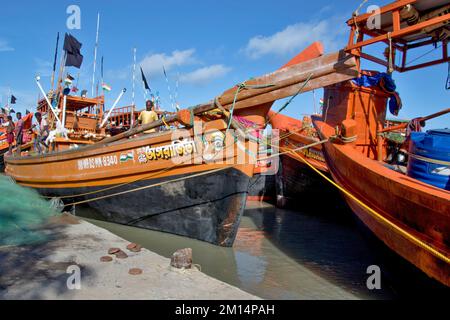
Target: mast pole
[
  {"x": 95, "y": 54},
  {"x": 133, "y": 105},
  {"x": 54, "y": 62}
]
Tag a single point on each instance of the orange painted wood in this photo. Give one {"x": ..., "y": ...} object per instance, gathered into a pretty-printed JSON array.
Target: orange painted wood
[
  {"x": 315, "y": 50},
  {"x": 420, "y": 209},
  {"x": 296, "y": 137}
]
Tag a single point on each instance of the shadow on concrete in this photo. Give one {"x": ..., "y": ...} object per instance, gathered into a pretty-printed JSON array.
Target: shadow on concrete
[{"x": 29, "y": 271}]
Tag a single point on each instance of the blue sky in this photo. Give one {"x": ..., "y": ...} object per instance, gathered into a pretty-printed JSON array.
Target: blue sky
[{"x": 208, "y": 46}]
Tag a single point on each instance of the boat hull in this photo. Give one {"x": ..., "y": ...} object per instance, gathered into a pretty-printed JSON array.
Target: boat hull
[
  {"x": 2, "y": 160},
  {"x": 207, "y": 207},
  {"x": 295, "y": 183},
  {"x": 155, "y": 181},
  {"x": 262, "y": 187},
  {"x": 421, "y": 210}
]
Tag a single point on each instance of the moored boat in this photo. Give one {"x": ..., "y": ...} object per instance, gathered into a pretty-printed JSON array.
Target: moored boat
[
  {"x": 192, "y": 180},
  {"x": 410, "y": 215},
  {"x": 266, "y": 176},
  {"x": 295, "y": 181},
  {"x": 4, "y": 146}
]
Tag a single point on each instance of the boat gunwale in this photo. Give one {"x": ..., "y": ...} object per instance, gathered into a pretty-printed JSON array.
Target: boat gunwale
[{"x": 377, "y": 168}]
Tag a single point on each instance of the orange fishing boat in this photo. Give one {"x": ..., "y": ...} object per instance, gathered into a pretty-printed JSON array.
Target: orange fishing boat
[
  {"x": 4, "y": 146},
  {"x": 293, "y": 177},
  {"x": 191, "y": 181},
  {"x": 409, "y": 214},
  {"x": 263, "y": 185}
]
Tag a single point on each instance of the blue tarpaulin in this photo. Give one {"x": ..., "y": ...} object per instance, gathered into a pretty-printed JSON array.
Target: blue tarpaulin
[{"x": 385, "y": 82}]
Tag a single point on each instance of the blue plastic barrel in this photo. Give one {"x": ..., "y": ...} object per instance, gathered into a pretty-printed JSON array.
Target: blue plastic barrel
[{"x": 432, "y": 162}]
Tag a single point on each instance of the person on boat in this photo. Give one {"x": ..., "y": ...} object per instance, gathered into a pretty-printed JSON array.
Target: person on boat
[
  {"x": 41, "y": 133},
  {"x": 19, "y": 133},
  {"x": 9, "y": 125},
  {"x": 149, "y": 115}
]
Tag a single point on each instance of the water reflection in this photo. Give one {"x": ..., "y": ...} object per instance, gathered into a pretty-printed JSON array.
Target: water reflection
[{"x": 284, "y": 254}]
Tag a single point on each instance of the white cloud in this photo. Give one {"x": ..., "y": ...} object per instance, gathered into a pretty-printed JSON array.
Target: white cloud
[
  {"x": 205, "y": 74},
  {"x": 4, "y": 46},
  {"x": 153, "y": 63},
  {"x": 295, "y": 37}
]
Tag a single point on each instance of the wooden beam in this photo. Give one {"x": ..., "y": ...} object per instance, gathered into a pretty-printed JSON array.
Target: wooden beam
[
  {"x": 396, "y": 19},
  {"x": 402, "y": 32},
  {"x": 390, "y": 7},
  {"x": 426, "y": 64},
  {"x": 336, "y": 62}
]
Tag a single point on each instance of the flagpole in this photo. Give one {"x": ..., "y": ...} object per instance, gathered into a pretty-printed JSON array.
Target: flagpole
[
  {"x": 95, "y": 53},
  {"x": 9, "y": 97},
  {"x": 54, "y": 62},
  {"x": 168, "y": 87},
  {"x": 143, "y": 87},
  {"x": 314, "y": 101},
  {"x": 176, "y": 92},
  {"x": 133, "y": 105},
  {"x": 62, "y": 68}
]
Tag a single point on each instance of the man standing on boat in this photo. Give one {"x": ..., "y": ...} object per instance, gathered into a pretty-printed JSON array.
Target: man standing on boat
[
  {"x": 19, "y": 133},
  {"x": 42, "y": 132},
  {"x": 9, "y": 124},
  {"x": 149, "y": 115}
]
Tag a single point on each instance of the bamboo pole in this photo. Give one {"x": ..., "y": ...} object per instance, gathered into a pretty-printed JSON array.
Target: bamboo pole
[
  {"x": 425, "y": 118},
  {"x": 48, "y": 101},
  {"x": 95, "y": 54},
  {"x": 133, "y": 103},
  {"x": 114, "y": 105}
]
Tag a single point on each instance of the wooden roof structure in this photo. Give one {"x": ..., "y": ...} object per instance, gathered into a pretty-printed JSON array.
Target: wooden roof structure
[{"x": 428, "y": 25}]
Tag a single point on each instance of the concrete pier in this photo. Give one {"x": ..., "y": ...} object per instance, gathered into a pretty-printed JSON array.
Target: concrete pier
[{"x": 49, "y": 270}]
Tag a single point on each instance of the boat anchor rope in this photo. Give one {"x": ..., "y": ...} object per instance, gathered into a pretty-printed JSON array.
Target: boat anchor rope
[{"x": 407, "y": 235}]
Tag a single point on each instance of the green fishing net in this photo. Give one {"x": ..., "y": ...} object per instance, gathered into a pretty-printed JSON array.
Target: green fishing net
[{"x": 21, "y": 211}]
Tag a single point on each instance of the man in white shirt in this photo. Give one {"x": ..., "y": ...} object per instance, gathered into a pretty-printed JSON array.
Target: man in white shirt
[{"x": 41, "y": 133}]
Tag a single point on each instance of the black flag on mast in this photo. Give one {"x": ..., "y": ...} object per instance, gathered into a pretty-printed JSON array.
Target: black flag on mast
[
  {"x": 72, "y": 47},
  {"x": 147, "y": 87},
  {"x": 13, "y": 99}
]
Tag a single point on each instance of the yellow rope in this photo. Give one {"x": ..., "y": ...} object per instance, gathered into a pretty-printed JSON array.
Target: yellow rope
[
  {"x": 184, "y": 178},
  {"x": 293, "y": 150},
  {"x": 380, "y": 218},
  {"x": 147, "y": 187},
  {"x": 164, "y": 121},
  {"x": 141, "y": 178},
  {"x": 425, "y": 159}
]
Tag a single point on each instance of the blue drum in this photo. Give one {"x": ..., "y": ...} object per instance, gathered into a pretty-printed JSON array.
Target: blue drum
[{"x": 429, "y": 159}]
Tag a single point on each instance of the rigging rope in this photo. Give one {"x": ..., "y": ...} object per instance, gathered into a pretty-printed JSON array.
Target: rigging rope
[
  {"x": 447, "y": 83},
  {"x": 147, "y": 186},
  {"x": 378, "y": 216}
]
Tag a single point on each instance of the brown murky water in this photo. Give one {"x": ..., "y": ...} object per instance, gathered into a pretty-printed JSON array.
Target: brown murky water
[{"x": 284, "y": 254}]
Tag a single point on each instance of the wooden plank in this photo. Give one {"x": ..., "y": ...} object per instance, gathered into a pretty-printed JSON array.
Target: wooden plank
[
  {"x": 390, "y": 7},
  {"x": 284, "y": 92},
  {"x": 331, "y": 63},
  {"x": 417, "y": 28}
]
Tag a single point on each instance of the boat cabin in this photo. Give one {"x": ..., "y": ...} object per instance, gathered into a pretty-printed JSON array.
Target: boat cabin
[
  {"x": 358, "y": 108},
  {"x": 80, "y": 116}
]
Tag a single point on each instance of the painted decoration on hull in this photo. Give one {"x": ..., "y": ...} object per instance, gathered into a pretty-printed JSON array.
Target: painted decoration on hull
[{"x": 176, "y": 149}]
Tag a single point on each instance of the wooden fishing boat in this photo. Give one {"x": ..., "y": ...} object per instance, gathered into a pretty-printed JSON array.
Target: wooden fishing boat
[
  {"x": 4, "y": 146},
  {"x": 192, "y": 181},
  {"x": 295, "y": 181},
  {"x": 263, "y": 183},
  {"x": 121, "y": 119},
  {"x": 410, "y": 216}
]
